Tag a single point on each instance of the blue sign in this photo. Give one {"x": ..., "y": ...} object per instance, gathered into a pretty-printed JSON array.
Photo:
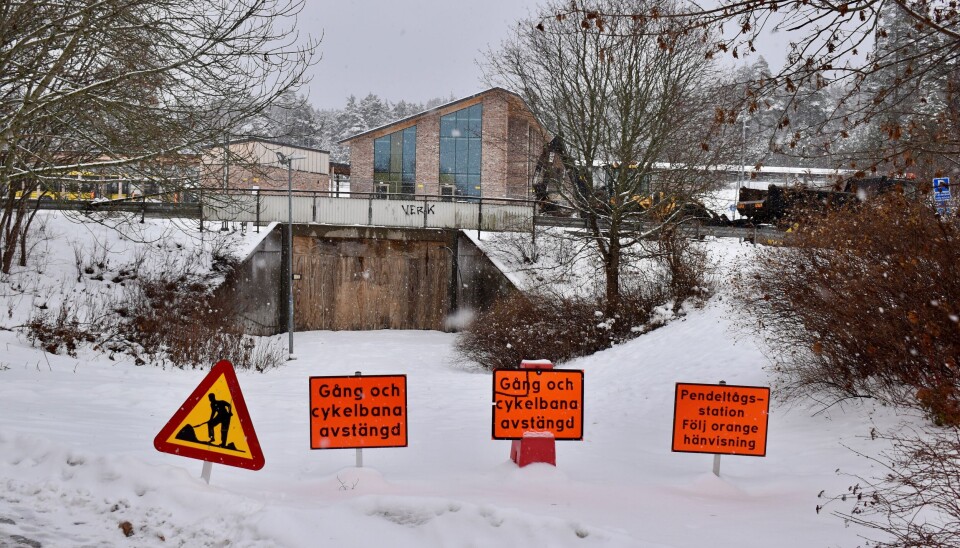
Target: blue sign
[{"x": 941, "y": 189}]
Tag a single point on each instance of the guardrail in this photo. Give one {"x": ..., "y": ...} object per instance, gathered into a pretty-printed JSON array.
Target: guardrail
[
  {"x": 389, "y": 210},
  {"x": 369, "y": 209},
  {"x": 143, "y": 207},
  {"x": 692, "y": 229}
]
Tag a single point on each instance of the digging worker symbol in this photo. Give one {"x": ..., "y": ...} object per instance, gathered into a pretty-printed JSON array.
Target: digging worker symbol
[{"x": 220, "y": 413}]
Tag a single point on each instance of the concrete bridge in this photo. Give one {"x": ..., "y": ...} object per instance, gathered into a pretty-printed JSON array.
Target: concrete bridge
[{"x": 369, "y": 262}]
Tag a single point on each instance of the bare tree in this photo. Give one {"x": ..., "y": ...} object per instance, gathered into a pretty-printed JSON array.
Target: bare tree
[
  {"x": 631, "y": 102},
  {"x": 130, "y": 89},
  {"x": 891, "y": 67}
]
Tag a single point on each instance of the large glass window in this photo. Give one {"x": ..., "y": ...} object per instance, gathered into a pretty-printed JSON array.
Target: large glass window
[
  {"x": 395, "y": 162},
  {"x": 460, "y": 150}
]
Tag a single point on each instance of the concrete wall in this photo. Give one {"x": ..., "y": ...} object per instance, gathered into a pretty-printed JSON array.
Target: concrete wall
[
  {"x": 254, "y": 288},
  {"x": 371, "y": 278},
  {"x": 481, "y": 282},
  {"x": 363, "y": 278}
]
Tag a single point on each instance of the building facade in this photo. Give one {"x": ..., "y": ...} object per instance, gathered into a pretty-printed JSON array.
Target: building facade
[
  {"x": 253, "y": 163},
  {"x": 485, "y": 145}
]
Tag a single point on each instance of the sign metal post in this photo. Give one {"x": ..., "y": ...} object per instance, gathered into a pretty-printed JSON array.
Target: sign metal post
[
  {"x": 357, "y": 412},
  {"x": 213, "y": 425},
  {"x": 359, "y": 450},
  {"x": 716, "y": 456},
  {"x": 720, "y": 419}
]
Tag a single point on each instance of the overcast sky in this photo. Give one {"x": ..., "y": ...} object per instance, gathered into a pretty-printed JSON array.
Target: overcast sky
[{"x": 413, "y": 50}]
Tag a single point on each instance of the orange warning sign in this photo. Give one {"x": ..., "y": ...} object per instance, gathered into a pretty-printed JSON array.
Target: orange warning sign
[
  {"x": 213, "y": 424},
  {"x": 537, "y": 400},
  {"x": 721, "y": 419},
  {"x": 358, "y": 412}
]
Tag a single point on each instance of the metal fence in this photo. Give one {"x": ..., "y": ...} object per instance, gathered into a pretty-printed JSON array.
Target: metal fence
[
  {"x": 395, "y": 211},
  {"x": 141, "y": 206},
  {"x": 693, "y": 229},
  {"x": 391, "y": 210}
]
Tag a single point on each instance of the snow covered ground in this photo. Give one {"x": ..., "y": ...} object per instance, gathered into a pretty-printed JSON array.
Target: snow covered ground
[{"x": 77, "y": 456}]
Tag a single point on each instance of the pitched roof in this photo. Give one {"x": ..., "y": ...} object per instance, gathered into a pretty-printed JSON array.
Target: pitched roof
[
  {"x": 434, "y": 109},
  {"x": 243, "y": 140}
]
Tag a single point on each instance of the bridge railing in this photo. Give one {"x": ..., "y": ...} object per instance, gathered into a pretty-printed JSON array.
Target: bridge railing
[
  {"x": 488, "y": 214},
  {"x": 369, "y": 209}
]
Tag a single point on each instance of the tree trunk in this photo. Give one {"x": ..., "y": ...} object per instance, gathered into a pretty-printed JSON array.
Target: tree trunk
[
  {"x": 11, "y": 238},
  {"x": 611, "y": 272},
  {"x": 23, "y": 234},
  {"x": 9, "y": 251},
  {"x": 23, "y": 247}
]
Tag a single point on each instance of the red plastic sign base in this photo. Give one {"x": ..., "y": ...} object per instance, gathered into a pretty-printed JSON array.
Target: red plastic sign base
[{"x": 534, "y": 447}]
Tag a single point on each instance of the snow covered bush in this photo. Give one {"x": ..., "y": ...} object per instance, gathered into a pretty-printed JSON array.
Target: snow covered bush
[
  {"x": 564, "y": 313},
  {"x": 148, "y": 294},
  {"x": 58, "y": 333},
  {"x": 865, "y": 302},
  {"x": 182, "y": 321},
  {"x": 536, "y": 326},
  {"x": 158, "y": 320}
]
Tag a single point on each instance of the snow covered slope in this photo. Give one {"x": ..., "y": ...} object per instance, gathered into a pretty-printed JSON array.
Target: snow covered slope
[{"x": 77, "y": 457}]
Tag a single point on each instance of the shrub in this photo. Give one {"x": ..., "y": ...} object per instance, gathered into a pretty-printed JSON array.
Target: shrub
[
  {"x": 687, "y": 268},
  {"x": 62, "y": 332},
  {"x": 183, "y": 322},
  {"x": 160, "y": 318},
  {"x": 522, "y": 326},
  {"x": 658, "y": 276},
  {"x": 915, "y": 502},
  {"x": 865, "y": 302}
]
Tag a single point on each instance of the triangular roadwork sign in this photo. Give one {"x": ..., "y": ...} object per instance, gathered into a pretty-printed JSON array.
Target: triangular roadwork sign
[{"x": 213, "y": 424}]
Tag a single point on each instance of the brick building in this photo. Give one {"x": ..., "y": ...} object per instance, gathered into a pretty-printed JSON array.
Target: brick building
[
  {"x": 253, "y": 163},
  {"x": 483, "y": 145}
]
